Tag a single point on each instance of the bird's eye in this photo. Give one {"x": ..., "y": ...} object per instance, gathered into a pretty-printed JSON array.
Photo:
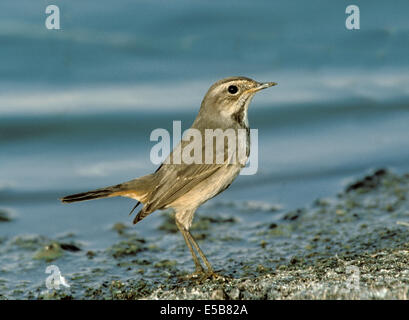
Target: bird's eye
[{"x": 232, "y": 89}]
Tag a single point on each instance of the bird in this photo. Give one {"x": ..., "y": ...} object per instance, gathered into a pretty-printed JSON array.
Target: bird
[{"x": 185, "y": 185}]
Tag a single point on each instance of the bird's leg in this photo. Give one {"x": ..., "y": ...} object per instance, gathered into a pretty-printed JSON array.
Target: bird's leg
[
  {"x": 199, "y": 268},
  {"x": 207, "y": 263}
]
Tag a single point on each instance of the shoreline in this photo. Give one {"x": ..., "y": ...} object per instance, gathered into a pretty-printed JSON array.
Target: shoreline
[{"x": 354, "y": 245}]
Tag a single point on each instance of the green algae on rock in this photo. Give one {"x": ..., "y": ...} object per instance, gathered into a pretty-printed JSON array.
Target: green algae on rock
[
  {"x": 50, "y": 252},
  {"x": 127, "y": 247}
]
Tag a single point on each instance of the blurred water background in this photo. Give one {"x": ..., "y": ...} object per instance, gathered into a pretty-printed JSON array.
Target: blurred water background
[{"x": 77, "y": 105}]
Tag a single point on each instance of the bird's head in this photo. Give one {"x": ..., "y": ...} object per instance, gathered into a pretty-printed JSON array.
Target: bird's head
[{"x": 230, "y": 97}]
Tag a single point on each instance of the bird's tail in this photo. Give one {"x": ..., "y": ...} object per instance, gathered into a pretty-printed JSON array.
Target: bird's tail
[
  {"x": 89, "y": 195},
  {"x": 135, "y": 189}
]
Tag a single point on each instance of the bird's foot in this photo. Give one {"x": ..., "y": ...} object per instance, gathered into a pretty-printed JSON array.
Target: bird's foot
[
  {"x": 213, "y": 275},
  {"x": 202, "y": 275},
  {"x": 197, "y": 274}
]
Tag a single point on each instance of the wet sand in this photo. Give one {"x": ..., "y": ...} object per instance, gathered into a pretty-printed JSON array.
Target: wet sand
[{"x": 354, "y": 245}]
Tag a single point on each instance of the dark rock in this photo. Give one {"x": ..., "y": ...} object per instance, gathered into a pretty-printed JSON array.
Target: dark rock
[
  {"x": 368, "y": 182},
  {"x": 69, "y": 247}
]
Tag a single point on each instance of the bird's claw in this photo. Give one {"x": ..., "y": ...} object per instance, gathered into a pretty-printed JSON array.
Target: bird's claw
[{"x": 202, "y": 275}]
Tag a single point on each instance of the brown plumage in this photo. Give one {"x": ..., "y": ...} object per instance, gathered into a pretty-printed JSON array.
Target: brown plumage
[{"x": 182, "y": 186}]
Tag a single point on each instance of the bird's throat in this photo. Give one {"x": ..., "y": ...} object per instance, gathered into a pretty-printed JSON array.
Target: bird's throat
[{"x": 240, "y": 115}]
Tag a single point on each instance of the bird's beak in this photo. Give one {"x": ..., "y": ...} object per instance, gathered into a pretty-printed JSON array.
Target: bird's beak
[
  {"x": 263, "y": 85},
  {"x": 266, "y": 85}
]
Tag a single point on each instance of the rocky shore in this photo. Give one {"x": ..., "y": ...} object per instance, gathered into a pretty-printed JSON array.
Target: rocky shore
[{"x": 354, "y": 245}]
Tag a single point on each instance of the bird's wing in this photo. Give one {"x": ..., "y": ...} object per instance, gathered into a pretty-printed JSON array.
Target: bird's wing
[
  {"x": 175, "y": 180},
  {"x": 178, "y": 180}
]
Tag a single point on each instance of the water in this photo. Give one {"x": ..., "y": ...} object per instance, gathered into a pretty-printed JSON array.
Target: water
[{"x": 77, "y": 105}]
